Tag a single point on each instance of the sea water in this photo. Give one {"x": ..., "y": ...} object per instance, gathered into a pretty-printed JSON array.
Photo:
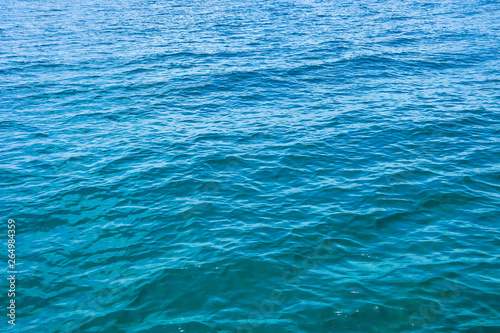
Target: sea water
[{"x": 251, "y": 166}]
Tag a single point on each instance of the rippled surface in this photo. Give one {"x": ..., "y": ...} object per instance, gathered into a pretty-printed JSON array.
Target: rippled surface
[{"x": 252, "y": 166}]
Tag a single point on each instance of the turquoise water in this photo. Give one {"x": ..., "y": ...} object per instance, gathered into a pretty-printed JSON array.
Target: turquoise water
[{"x": 252, "y": 166}]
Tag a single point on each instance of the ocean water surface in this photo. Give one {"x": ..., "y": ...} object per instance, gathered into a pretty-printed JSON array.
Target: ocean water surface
[{"x": 251, "y": 166}]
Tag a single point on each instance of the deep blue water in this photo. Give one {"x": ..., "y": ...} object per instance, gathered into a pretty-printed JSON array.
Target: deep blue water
[{"x": 251, "y": 166}]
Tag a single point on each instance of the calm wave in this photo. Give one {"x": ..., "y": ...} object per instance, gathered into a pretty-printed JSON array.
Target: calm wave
[{"x": 252, "y": 166}]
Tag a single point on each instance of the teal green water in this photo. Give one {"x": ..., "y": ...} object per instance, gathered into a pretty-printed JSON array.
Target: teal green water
[{"x": 251, "y": 166}]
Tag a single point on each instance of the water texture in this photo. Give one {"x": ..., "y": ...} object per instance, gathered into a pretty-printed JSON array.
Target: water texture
[{"x": 252, "y": 166}]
